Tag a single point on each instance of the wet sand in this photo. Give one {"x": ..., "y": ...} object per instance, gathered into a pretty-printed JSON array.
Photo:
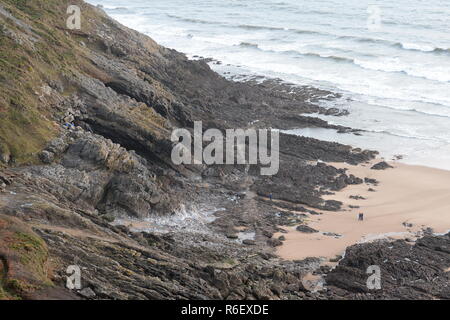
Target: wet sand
[{"x": 407, "y": 200}]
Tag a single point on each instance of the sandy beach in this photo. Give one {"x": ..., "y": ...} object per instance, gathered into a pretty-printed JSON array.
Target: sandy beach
[{"x": 407, "y": 200}]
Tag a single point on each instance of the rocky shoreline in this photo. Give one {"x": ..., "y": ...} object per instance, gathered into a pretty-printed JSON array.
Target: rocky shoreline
[{"x": 124, "y": 95}]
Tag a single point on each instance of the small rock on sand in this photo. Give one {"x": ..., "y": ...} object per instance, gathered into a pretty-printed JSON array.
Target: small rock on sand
[
  {"x": 381, "y": 166},
  {"x": 306, "y": 229}
]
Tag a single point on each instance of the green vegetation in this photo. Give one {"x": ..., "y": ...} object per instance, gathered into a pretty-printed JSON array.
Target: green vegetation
[
  {"x": 33, "y": 253},
  {"x": 33, "y": 53},
  {"x": 36, "y": 52},
  {"x": 33, "y": 258},
  {"x": 26, "y": 7}
]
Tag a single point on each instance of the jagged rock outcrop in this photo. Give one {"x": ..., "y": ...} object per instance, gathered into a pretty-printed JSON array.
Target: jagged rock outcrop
[
  {"x": 408, "y": 271},
  {"x": 102, "y": 175}
]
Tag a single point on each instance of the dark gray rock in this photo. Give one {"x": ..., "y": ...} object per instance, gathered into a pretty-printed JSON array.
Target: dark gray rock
[
  {"x": 274, "y": 242},
  {"x": 406, "y": 270},
  {"x": 46, "y": 157},
  {"x": 371, "y": 181},
  {"x": 357, "y": 197},
  {"x": 306, "y": 229},
  {"x": 383, "y": 165}
]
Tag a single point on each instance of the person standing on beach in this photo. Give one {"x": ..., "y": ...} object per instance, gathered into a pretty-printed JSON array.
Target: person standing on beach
[{"x": 361, "y": 217}]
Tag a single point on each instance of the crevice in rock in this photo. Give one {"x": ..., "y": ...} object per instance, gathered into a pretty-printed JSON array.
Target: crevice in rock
[{"x": 129, "y": 143}]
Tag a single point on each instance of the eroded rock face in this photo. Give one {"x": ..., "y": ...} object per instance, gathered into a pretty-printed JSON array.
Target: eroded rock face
[{"x": 103, "y": 175}]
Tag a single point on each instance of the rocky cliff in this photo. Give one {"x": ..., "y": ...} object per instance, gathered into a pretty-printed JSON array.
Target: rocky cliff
[{"x": 85, "y": 124}]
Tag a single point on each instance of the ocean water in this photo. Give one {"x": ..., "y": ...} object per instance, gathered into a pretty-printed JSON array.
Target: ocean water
[{"x": 390, "y": 60}]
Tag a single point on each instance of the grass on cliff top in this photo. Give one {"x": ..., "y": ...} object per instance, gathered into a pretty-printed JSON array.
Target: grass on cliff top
[{"x": 26, "y": 117}]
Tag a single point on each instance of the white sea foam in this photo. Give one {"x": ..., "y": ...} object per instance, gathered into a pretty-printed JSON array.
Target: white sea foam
[{"x": 192, "y": 219}]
